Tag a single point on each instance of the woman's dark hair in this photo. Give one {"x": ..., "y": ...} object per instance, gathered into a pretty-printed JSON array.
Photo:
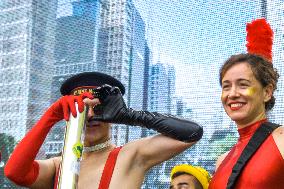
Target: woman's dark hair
[{"x": 262, "y": 70}]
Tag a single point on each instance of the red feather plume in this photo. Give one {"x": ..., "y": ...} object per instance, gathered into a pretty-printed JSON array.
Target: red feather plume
[{"x": 260, "y": 38}]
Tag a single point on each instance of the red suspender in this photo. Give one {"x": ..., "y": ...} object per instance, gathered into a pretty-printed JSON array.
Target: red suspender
[
  {"x": 108, "y": 169},
  {"x": 107, "y": 172},
  {"x": 56, "y": 177}
]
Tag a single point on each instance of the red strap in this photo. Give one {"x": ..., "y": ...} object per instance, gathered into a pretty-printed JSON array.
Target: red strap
[
  {"x": 56, "y": 177},
  {"x": 108, "y": 169}
]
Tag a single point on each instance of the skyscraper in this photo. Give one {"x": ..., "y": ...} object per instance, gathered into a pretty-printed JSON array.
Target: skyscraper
[
  {"x": 147, "y": 60},
  {"x": 159, "y": 88},
  {"x": 121, "y": 49},
  {"x": 75, "y": 52},
  {"x": 75, "y": 46},
  {"x": 26, "y": 55},
  {"x": 171, "y": 89}
]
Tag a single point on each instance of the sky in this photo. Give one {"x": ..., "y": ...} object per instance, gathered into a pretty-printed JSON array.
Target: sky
[{"x": 188, "y": 33}]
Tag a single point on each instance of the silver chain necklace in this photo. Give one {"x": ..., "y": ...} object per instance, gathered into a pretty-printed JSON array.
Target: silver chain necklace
[{"x": 97, "y": 147}]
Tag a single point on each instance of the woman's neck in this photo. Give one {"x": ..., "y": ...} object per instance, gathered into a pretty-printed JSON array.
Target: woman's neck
[
  {"x": 244, "y": 123},
  {"x": 247, "y": 131}
]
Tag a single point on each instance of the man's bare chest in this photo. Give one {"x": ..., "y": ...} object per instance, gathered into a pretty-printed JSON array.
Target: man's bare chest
[
  {"x": 90, "y": 172},
  {"x": 92, "y": 169}
]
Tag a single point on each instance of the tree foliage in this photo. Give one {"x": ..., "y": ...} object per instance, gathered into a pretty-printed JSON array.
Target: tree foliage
[{"x": 7, "y": 145}]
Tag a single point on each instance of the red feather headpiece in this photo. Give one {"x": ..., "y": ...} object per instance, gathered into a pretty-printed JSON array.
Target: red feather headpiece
[{"x": 260, "y": 38}]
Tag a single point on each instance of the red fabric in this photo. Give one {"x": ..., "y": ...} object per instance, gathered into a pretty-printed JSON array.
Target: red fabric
[
  {"x": 263, "y": 170},
  {"x": 108, "y": 169},
  {"x": 22, "y": 168}
]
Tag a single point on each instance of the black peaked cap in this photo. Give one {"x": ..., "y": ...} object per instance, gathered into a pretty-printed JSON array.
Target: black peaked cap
[{"x": 89, "y": 79}]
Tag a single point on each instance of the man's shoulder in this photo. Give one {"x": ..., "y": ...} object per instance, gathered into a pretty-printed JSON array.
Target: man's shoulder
[
  {"x": 133, "y": 148},
  {"x": 278, "y": 133},
  {"x": 220, "y": 159},
  {"x": 56, "y": 160},
  {"x": 278, "y": 136},
  {"x": 279, "y": 129}
]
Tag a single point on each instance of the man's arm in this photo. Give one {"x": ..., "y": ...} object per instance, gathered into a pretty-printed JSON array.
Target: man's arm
[
  {"x": 21, "y": 167},
  {"x": 114, "y": 110},
  {"x": 177, "y": 134},
  {"x": 156, "y": 149},
  {"x": 46, "y": 176},
  {"x": 220, "y": 160},
  {"x": 278, "y": 136}
]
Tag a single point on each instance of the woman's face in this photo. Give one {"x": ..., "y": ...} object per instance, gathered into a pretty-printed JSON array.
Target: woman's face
[{"x": 243, "y": 97}]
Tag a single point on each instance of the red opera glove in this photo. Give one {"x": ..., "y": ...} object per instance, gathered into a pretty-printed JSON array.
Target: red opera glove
[
  {"x": 62, "y": 108},
  {"x": 22, "y": 168}
]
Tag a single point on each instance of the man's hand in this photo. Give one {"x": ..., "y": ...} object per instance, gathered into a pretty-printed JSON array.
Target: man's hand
[
  {"x": 112, "y": 106},
  {"x": 62, "y": 107}
]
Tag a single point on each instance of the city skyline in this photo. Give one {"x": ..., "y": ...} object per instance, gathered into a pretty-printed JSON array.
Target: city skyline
[{"x": 172, "y": 40}]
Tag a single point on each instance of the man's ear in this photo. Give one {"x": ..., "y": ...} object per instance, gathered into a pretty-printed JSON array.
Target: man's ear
[{"x": 268, "y": 92}]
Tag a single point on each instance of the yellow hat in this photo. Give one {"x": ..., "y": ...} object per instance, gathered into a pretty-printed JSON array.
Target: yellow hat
[{"x": 199, "y": 173}]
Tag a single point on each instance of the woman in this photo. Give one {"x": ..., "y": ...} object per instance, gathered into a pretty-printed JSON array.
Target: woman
[{"x": 248, "y": 82}]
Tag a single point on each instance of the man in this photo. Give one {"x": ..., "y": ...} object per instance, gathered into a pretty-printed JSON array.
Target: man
[
  {"x": 189, "y": 177},
  {"x": 103, "y": 165}
]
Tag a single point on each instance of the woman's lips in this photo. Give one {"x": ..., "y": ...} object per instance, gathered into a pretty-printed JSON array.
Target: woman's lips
[{"x": 236, "y": 106}]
